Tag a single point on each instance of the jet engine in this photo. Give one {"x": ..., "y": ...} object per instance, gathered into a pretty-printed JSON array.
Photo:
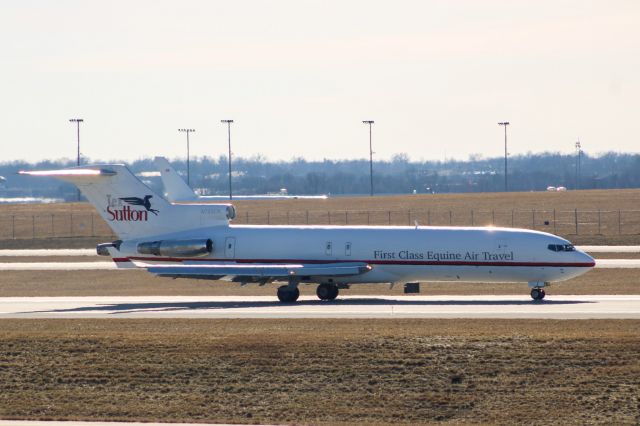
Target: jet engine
[{"x": 177, "y": 248}]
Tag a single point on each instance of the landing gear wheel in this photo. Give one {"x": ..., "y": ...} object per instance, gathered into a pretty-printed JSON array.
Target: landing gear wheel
[
  {"x": 334, "y": 292},
  {"x": 327, "y": 291},
  {"x": 288, "y": 294},
  {"x": 537, "y": 294}
]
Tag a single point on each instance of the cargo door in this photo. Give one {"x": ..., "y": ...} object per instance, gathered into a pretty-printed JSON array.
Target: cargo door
[{"x": 230, "y": 247}]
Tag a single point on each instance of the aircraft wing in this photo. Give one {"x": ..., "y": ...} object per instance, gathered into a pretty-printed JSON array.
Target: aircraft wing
[{"x": 259, "y": 272}]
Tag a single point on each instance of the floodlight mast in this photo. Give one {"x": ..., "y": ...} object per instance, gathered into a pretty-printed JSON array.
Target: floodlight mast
[
  {"x": 228, "y": 122},
  {"x": 187, "y": 131},
  {"x": 77, "y": 121},
  {"x": 505, "y": 124},
  {"x": 370, "y": 122},
  {"x": 578, "y": 155}
]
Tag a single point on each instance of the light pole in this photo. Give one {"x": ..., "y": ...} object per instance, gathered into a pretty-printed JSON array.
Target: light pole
[
  {"x": 228, "y": 122},
  {"x": 77, "y": 121},
  {"x": 505, "y": 124},
  {"x": 370, "y": 122},
  {"x": 578, "y": 155},
  {"x": 187, "y": 131}
]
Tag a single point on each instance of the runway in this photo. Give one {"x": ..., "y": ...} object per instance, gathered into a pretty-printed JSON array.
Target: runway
[
  {"x": 48, "y": 252},
  {"x": 617, "y": 263},
  {"x": 58, "y": 266},
  {"x": 610, "y": 249},
  {"x": 553, "y": 307}
]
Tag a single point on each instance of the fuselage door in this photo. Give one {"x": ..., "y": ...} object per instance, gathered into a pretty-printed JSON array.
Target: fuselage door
[
  {"x": 230, "y": 247},
  {"x": 347, "y": 249}
]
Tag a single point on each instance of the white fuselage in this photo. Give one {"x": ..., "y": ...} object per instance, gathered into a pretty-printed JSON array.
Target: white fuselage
[{"x": 396, "y": 254}]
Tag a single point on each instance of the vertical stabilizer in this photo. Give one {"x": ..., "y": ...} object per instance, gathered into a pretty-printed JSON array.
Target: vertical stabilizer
[{"x": 131, "y": 208}]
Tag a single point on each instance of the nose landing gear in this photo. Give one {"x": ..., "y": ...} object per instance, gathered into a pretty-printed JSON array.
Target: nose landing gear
[
  {"x": 537, "y": 289},
  {"x": 537, "y": 294}
]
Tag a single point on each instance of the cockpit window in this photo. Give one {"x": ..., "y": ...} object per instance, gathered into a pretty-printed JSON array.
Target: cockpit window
[{"x": 561, "y": 247}]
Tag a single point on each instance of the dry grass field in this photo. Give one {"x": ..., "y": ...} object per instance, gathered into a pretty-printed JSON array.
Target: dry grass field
[
  {"x": 323, "y": 371},
  {"x": 604, "y": 216},
  {"x": 141, "y": 283},
  {"x": 337, "y": 372},
  {"x": 619, "y": 199}
]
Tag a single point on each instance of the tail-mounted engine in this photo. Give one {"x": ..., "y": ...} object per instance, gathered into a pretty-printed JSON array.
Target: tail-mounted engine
[
  {"x": 176, "y": 248},
  {"x": 103, "y": 249}
]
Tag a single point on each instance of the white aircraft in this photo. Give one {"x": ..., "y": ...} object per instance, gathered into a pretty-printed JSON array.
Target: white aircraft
[
  {"x": 177, "y": 191},
  {"x": 197, "y": 241}
]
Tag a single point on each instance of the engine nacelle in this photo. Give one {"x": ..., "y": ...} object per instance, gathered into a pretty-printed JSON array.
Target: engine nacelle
[
  {"x": 231, "y": 212},
  {"x": 177, "y": 248},
  {"x": 103, "y": 248}
]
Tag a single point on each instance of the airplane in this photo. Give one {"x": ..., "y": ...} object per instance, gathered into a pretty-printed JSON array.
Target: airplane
[
  {"x": 177, "y": 191},
  {"x": 197, "y": 241}
]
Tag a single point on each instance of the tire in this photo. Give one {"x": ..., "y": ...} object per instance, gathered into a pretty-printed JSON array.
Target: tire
[
  {"x": 294, "y": 294},
  {"x": 288, "y": 295},
  {"x": 334, "y": 292},
  {"x": 327, "y": 291},
  {"x": 323, "y": 292},
  {"x": 536, "y": 294}
]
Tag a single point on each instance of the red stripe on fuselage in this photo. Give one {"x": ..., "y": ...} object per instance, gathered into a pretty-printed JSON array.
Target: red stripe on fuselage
[{"x": 370, "y": 262}]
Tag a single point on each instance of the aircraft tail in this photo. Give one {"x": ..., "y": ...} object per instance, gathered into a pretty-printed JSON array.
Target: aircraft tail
[
  {"x": 131, "y": 208},
  {"x": 175, "y": 188}
]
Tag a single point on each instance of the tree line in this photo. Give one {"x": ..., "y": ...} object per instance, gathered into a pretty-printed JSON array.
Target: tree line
[{"x": 400, "y": 175}]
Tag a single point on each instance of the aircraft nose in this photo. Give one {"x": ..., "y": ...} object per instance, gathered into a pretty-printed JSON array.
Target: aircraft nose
[{"x": 586, "y": 259}]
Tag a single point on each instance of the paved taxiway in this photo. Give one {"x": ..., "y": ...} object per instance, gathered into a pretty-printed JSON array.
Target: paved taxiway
[
  {"x": 519, "y": 306},
  {"x": 610, "y": 249},
  {"x": 48, "y": 252},
  {"x": 617, "y": 263},
  {"x": 58, "y": 266}
]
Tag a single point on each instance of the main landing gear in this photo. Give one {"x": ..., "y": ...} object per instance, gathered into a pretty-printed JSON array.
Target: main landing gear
[
  {"x": 288, "y": 293},
  {"x": 327, "y": 291},
  {"x": 537, "y": 293}
]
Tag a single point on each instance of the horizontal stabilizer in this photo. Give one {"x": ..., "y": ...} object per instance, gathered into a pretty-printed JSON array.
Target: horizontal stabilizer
[
  {"x": 260, "y": 270},
  {"x": 71, "y": 175}
]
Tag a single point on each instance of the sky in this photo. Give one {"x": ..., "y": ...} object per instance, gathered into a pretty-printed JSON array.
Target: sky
[{"x": 299, "y": 76}]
